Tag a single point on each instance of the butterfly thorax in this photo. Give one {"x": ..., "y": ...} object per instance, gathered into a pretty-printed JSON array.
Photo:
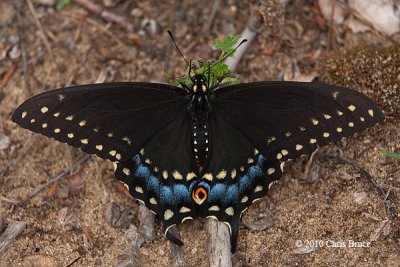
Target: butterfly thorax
[{"x": 199, "y": 115}]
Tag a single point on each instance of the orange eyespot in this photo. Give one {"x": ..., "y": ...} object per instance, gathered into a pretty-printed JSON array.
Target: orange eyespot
[{"x": 199, "y": 195}]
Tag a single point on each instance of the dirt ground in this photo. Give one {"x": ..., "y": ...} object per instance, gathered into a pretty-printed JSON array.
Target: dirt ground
[{"x": 41, "y": 49}]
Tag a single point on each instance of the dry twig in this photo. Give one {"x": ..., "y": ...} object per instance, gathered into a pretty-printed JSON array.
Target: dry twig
[
  {"x": 219, "y": 244},
  {"x": 6, "y": 78},
  {"x": 11, "y": 233},
  {"x": 21, "y": 35},
  {"x": 105, "y": 14},
  {"x": 42, "y": 35},
  {"x": 388, "y": 203},
  {"x": 146, "y": 227},
  {"x": 249, "y": 33},
  {"x": 55, "y": 178}
]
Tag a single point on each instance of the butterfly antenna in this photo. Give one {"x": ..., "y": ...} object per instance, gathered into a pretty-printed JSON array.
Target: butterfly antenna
[{"x": 177, "y": 48}]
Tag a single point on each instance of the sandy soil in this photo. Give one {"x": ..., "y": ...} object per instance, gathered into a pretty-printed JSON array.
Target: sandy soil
[{"x": 75, "y": 46}]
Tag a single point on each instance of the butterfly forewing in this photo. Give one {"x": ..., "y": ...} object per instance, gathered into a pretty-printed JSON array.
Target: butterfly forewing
[
  {"x": 112, "y": 120},
  {"x": 285, "y": 120}
]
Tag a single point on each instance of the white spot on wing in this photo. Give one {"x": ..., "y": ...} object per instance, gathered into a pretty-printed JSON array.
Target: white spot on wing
[
  {"x": 221, "y": 174},
  {"x": 351, "y": 124},
  {"x": 113, "y": 153},
  {"x": 126, "y": 139},
  {"x": 165, "y": 174},
  {"x": 57, "y": 130},
  {"x": 258, "y": 189},
  {"x": 326, "y": 135},
  {"x": 190, "y": 176},
  {"x": 82, "y": 123},
  {"x": 168, "y": 214},
  {"x": 126, "y": 171},
  {"x": 314, "y": 121},
  {"x": 339, "y": 130},
  {"x": 244, "y": 199},
  {"x": 184, "y": 210},
  {"x": 153, "y": 201},
  {"x": 282, "y": 165},
  {"x": 299, "y": 147},
  {"x": 250, "y": 161},
  {"x": 84, "y": 141},
  {"x": 230, "y": 211},
  {"x": 99, "y": 147},
  {"x": 208, "y": 176},
  {"x": 44, "y": 109},
  {"x": 44, "y": 125},
  {"x": 371, "y": 112},
  {"x": 351, "y": 107},
  {"x": 70, "y": 135},
  {"x": 139, "y": 189},
  {"x": 69, "y": 118},
  {"x": 313, "y": 141},
  {"x": 56, "y": 114},
  {"x": 23, "y": 115},
  {"x": 213, "y": 208},
  {"x": 270, "y": 171},
  {"x": 327, "y": 117},
  {"x": 233, "y": 173},
  {"x": 177, "y": 175}
]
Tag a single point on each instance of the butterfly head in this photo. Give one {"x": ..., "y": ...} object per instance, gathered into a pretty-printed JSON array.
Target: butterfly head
[{"x": 199, "y": 84}]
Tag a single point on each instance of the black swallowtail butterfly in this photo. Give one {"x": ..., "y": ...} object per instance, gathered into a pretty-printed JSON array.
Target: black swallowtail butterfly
[{"x": 197, "y": 151}]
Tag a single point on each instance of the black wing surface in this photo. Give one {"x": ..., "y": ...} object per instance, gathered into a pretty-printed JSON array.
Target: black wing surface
[{"x": 111, "y": 120}]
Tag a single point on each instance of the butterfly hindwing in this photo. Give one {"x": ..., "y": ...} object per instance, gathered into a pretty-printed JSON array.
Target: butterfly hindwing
[
  {"x": 236, "y": 175},
  {"x": 111, "y": 120},
  {"x": 162, "y": 174}
]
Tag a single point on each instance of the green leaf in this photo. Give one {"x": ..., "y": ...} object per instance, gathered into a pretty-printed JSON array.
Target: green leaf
[
  {"x": 390, "y": 154},
  {"x": 226, "y": 46},
  {"x": 61, "y": 4},
  {"x": 219, "y": 72}
]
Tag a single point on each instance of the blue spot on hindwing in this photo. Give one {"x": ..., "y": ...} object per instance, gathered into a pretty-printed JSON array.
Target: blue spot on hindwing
[
  {"x": 217, "y": 192},
  {"x": 142, "y": 171},
  {"x": 232, "y": 194},
  {"x": 136, "y": 160},
  {"x": 255, "y": 171},
  {"x": 181, "y": 193},
  {"x": 167, "y": 195},
  {"x": 153, "y": 184}
]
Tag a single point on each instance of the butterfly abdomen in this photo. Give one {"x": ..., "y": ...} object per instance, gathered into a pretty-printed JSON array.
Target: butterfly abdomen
[{"x": 200, "y": 141}]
